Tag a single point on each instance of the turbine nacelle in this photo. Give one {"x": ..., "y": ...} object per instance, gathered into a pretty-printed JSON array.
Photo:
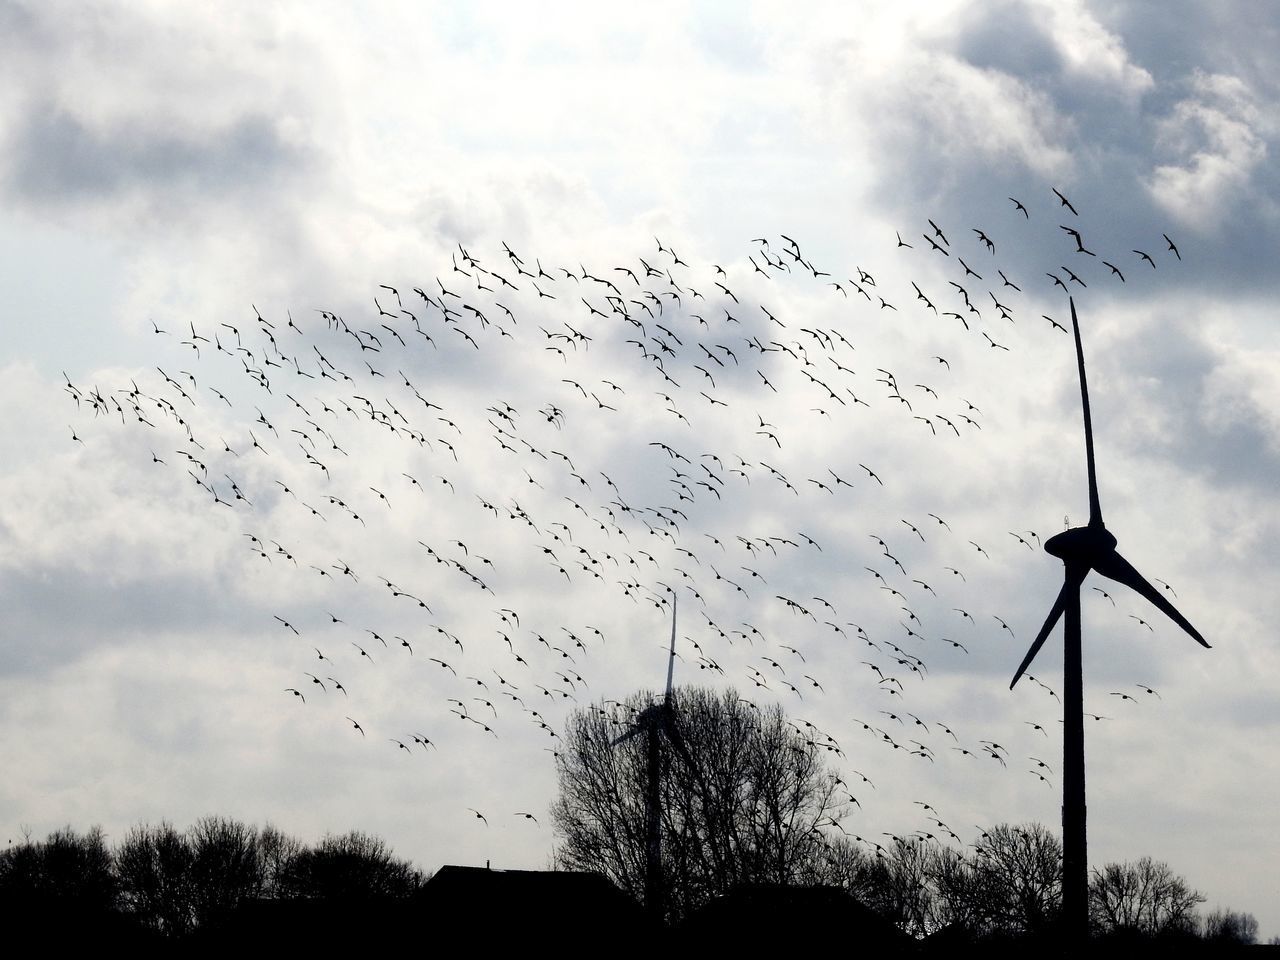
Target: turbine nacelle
[{"x": 1089, "y": 545}]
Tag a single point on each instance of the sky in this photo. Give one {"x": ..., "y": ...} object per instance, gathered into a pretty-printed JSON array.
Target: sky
[{"x": 831, "y": 417}]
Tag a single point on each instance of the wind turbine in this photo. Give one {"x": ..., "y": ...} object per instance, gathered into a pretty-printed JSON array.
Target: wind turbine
[
  {"x": 655, "y": 721},
  {"x": 1083, "y": 549}
]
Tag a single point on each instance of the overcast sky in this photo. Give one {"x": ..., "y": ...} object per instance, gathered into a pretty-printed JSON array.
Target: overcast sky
[{"x": 191, "y": 170}]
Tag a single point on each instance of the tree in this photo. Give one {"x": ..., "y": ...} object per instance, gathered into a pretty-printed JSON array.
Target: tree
[
  {"x": 277, "y": 852},
  {"x": 1016, "y": 882},
  {"x": 352, "y": 868},
  {"x": 154, "y": 867},
  {"x": 69, "y": 873},
  {"x": 746, "y": 800},
  {"x": 1009, "y": 885},
  {"x": 1144, "y": 897},
  {"x": 900, "y": 885},
  {"x": 226, "y": 868},
  {"x": 1229, "y": 927}
]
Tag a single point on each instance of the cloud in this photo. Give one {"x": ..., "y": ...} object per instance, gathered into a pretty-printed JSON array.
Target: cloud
[
  {"x": 58, "y": 160},
  {"x": 926, "y": 102},
  {"x": 195, "y": 114},
  {"x": 1213, "y": 139},
  {"x": 1090, "y": 53}
]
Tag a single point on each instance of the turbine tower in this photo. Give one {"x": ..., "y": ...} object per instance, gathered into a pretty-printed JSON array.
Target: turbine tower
[
  {"x": 1083, "y": 549},
  {"x": 656, "y": 721}
]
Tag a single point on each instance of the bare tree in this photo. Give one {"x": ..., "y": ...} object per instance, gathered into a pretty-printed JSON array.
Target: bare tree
[
  {"x": 1228, "y": 927},
  {"x": 68, "y": 872},
  {"x": 351, "y": 868},
  {"x": 744, "y": 798},
  {"x": 154, "y": 867},
  {"x": 226, "y": 869},
  {"x": 1144, "y": 897},
  {"x": 899, "y": 884},
  {"x": 276, "y": 853},
  {"x": 1017, "y": 879}
]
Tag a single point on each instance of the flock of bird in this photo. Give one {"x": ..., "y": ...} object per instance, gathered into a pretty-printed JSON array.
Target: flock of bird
[{"x": 484, "y": 485}]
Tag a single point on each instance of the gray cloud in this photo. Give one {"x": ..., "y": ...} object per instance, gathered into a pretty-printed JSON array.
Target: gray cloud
[{"x": 56, "y": 158}]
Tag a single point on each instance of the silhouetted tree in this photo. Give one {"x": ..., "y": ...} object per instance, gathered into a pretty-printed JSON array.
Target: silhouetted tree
[
  {"x": 68, "y": 873},
  {"x": 276, "y": 852},
  {"x": 1144, "y": 897},
  {"x": 154, "y": 864},
  {"x": 844, "y": 864},
  {"x": 1228, "y": 927},
  {"x": 352, "y": 867},
  {"x": 226, "y": 869},
  {"x": 899, "y": 884},
  {"x": 1017, "y": 880},
  {"x": 746, "y": 801}
]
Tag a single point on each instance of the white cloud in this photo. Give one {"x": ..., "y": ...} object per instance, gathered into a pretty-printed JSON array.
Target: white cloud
[
  {"x": 1214, "y": 138},
  {"x": 1089, "y": 52}
]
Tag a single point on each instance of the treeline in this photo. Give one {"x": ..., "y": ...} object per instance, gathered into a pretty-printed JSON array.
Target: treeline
[
  {"x": 162, "y": 882},
  {"x": 1008, "y": 886}
]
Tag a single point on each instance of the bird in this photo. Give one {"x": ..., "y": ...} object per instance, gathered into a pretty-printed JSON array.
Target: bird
[{"x": 1065, "y": 202}]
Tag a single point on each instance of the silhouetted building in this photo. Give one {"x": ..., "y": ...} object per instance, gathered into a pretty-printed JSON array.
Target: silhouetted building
[
  {"x": 759, "y": 917},
  {"x": 525, "y": 905}
]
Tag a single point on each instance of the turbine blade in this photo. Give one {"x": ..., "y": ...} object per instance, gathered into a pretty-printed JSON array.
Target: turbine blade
[
  {"x": 1095, "y": 509},
  {"x": 671, "y": 658},
  {"x": 634, "y": 731},
  {"x": 1117, "y": 568},
  {"x": 676, "y": 739},
  {"x": 1072, "y": 582}
]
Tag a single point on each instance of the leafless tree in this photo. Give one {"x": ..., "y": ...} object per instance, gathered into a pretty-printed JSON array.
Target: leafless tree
[
  {"x": 1016, "y": 879},
  {"x": 745, "y": 798},
  {"x": 1144, "y": 896},
  {"x": 1229, "y": 927},
  {"x": 899, "y": 884},
  {"x": 226, "y": 869},
  {"x": 68, "y": 869},
  {"x": 350, "y": 868},
  {"x": 154, "y": 867},
  {"x": 276, "y": 853}
]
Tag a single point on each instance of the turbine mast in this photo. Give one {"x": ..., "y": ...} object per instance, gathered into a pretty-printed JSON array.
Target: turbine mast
[
  {"x": 1075, "y": 863},
  {"x": 654, "y": 892}
]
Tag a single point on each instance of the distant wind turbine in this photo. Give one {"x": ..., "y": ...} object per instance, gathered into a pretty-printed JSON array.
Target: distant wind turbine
[
  {"x": 1083, "y": 549},
  {"x": 655, "y": 721}
]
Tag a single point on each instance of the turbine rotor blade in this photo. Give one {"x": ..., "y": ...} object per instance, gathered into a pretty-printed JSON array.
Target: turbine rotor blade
[
  {"x": 1117, "y": 568},
  {"x": 676, "y": 739},
  {"x": 634, "y": 731},
  {"x": 1074, "y": 578},
  {"x": 1095, "y": 508}
]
